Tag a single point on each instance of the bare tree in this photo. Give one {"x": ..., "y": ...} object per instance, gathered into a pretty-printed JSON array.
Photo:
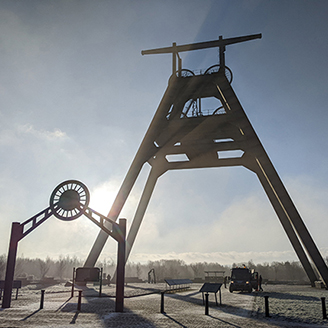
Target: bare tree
[
  {"x": 275, "y": 271},
  {"x": 44, "y": 266},
  {"x": 2, "y": 266},
  {"x": 61, "y": 266},
  {"x": 198, "y": 268},
  {"x": 138, "y": 269},
  {"x": 20, "y": 267}
]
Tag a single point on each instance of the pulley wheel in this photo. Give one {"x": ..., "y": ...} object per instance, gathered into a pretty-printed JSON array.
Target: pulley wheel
[
  {"x": 69, "y": 200},
  {"x": 216, "y": 68}
]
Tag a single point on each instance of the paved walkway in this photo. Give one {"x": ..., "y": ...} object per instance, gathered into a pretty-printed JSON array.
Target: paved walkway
[{"x": 183, "y": 309}]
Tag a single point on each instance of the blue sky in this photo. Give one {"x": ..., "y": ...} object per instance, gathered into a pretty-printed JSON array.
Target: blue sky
[{"x": 77, "y": 96}]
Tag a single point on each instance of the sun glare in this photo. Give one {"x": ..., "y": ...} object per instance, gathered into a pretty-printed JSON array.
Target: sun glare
[{"x": 102, "y": 197}]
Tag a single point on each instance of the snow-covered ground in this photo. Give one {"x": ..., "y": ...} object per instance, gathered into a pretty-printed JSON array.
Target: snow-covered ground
[
  {"x": 290, "y": 306},
  {"x": 293, "y": 304}
]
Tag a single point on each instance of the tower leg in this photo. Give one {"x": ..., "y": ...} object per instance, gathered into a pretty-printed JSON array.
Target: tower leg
[
  {"x": 118, "y": 204},
  {"x": 145, "y": 152},
  {"x": 274, "y": 187},
  {"x": 284, "y": 204},
  {"x": 143, "y": 203},
  {"x": 285, "y": 221}
]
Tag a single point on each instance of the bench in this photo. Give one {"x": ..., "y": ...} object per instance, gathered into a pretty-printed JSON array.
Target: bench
[
  {"x": 178, "y": 284},
  {"x": 214, "y": 276},
  {"x": 16, "y": 284},
  {"x": 132, "y": 280}
]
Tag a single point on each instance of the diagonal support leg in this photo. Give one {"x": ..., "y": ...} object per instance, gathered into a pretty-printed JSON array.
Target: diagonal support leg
[
  {"x": 113, "y": 214},
  {"x": 145, "y": 152},
  {"x": 274, "y": 187},
  {"x": 285, "y": 221},
  {"x": 142, "y": 206},
  {"x": 284, "y": 204}
]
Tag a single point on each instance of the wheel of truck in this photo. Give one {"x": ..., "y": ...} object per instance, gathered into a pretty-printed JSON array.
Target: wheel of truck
[
  {"x": 250, "y": 289},
  {"x": 230, "y": 289}
]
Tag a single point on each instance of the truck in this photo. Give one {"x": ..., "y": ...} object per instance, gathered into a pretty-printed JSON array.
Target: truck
[{"x": 243, "y": 279}]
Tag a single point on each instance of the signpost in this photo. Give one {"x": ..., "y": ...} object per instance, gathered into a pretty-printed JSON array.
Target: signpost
[{"x": 209, "y": 287}]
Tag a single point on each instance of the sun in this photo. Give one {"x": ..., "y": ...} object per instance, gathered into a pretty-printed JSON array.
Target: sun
[{"x": 102, "y": 197}]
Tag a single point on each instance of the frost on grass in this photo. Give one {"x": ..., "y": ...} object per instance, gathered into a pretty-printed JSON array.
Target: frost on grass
[{"x": 292, "y": 304}]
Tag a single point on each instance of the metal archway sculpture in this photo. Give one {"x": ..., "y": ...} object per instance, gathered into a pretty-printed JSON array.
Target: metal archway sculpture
[{"x": 68, "y": 201}]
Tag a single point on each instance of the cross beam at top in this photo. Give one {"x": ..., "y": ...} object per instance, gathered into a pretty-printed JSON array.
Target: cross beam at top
[{"x": 221, "y": 43}]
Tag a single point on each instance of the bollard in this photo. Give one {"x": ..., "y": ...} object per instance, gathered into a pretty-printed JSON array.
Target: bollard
[
  {"x": 220, "y": 297},
  {"x": 206, "y": 304},
  {"x": 266, "y": 301},
  {"x": 162, "y": 302},
  {"x": 42, "y": 299},
  {"x": 73, "y": 282},
  {"x": 72, "y": 290},
  {"x": 79, "y": 300},
  {"x": 323, "y": 302}
]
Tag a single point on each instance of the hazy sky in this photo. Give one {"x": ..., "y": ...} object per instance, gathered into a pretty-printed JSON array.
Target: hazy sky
[{"x": 76, "y": 97}]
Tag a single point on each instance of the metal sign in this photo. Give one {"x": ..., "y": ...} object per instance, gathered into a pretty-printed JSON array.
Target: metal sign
[
  {"x": 210, "y": 288},
  {"x": 87, "y": 275}
]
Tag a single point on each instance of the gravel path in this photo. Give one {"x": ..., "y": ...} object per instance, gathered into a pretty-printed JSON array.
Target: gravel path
[{"x": 290, "y": 306}]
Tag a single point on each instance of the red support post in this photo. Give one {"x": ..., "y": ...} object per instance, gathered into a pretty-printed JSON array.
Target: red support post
[
  {"x": 16, "y": 235},
  {"x": 119, "y": 304}
]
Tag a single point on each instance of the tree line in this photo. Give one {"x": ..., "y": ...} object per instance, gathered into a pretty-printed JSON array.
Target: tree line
[{"x": 62, "y": 269}]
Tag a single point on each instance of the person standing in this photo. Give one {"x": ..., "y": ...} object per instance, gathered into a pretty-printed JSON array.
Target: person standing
[
  {"x": 260, "y": 284},
  {"x": 108, "y": 279}
]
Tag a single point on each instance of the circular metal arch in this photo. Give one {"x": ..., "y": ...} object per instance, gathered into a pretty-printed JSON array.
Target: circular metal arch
[
  {"x": 69, "y": 200},
  {"x": 215, "y": 69},
  {"x": 185, "y": 72}
]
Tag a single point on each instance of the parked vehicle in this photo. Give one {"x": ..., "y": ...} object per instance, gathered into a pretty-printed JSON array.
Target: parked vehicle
[{"x": 243, "y": 279}]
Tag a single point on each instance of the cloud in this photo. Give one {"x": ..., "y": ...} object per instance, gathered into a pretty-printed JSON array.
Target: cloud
[
  {"x": 224, "y": 258},
  {"x": 246, "y": 230},
  {"x": 248, "y": 225},
  {"x": 57, "y": 134},
  {"x": 310, "y": 198},
  {"x": 19, "y": 134}
]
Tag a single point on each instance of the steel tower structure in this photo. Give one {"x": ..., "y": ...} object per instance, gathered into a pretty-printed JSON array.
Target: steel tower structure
[{"x": 180, "y": 126}]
